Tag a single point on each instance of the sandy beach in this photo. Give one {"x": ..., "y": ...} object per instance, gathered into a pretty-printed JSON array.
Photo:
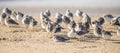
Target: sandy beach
[{"x": 22, "y": 40}]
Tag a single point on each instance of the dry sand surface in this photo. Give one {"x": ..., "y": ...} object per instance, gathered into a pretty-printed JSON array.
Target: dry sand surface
[{"x": 21, "y": 40}]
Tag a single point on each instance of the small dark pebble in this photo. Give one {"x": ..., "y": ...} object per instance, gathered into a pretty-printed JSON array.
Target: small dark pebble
[{"x": 4, "y": 38}]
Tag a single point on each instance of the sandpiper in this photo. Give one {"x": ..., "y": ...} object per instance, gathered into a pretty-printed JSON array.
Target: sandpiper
[
  {"x": 79, "y": 13},
  {"x": 58, "y": 18},
  {"x": 60, "y": 38},
  {"x": 69, "y": 14},
  {"x": 19, "y": 16},
  {"x": 97, "y": 30},
  {"x": 118, "y": 31},
  {"x": 26, "y": 20},
  {"x": 47, "y": 13},
  {"x": 106, "y": 35},
  {"x": 2, "y": 18},
  {"x": 10, "y": 22}
]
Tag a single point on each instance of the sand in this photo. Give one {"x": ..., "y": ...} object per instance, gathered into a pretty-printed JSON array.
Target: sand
[{"x": 22, "y": 40}]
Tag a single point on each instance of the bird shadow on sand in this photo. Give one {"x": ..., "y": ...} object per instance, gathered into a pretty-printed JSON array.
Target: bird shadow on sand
[
  {"x": 69, "y": 42},
  {"x": 88, "y": 47},
  {"x": 11, "y": 39},
  {"x": 85, "y": 38},
  {"x": 89, "y": 38},
  {"x": 115, "y": 41},
  {"x": 112, "y": 31}
]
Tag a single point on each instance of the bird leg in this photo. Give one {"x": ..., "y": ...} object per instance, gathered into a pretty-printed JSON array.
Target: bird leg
[
  {"x": 51, "y": 35},
  {"x": 48, "y": 34}
]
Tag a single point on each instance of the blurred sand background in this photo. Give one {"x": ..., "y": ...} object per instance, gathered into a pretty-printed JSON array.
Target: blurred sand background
[{"x": 20, "y": 40}]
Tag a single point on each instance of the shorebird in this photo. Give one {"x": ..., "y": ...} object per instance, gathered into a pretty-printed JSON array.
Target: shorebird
[
  {"x": 86, "y": 22},
  {"x": 66, "y": 19},
  {"x": 72, "y": 33},
  {"x": 79, "y": 13},
  {"x": 13, "y": 15},
  {"x": 58, "y": 17},
  {"x": 95, "y": 22},
  {"x": 86, "y": 26},
  {"x": 118, "y": 31},
  {"x": 44, "y": 20},
  {"x": 47, "y": 13},
  {"x": 52, "y": 28},
  {"x": 97, "y": 30},
  {"x": 42, "y": 16},
  {"x": 86, "y": 18},
  {"x": 69, "y": 14},
  {"x": 26, "y": 20},
  {"x": 101, "y": 21},
  {"x": 115, "y": 21},
  {"x": 60, "y": 38},
  {"x": 71, "y": 25},
  {"x": 57, "y": 28},
  {"x": 7, "y": 11},
  {"x": 119, "y": 21},
  {"x": 33, "y": 23},
  {"x": 79, "y": 27},
  {"x": 2, "y": 18},
  {"x": 19, "y": 16},
  {"x": 10, "y": 22},
  {"x": 108, "y": 17},
  {"x": 106, "y": 34}
]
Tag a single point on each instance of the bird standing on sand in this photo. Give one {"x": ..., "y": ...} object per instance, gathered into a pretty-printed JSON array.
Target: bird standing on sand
[
  {"x": 44, "y": 20},
  {"x": 50, "y": 26},
  {"x": 118, "y": 31},
  {"x": 53, "y": 28},
  {"x": 71, "y": 25},
  {"x": 58, "y": 17},
  {"x": 26, "y": 20},
  {"x": 57, "y": 28},
  {"x": 101, "y": 21},
  {"x": 97, "y": 30},
  {"x": 79, "y": 27},
  {"x": 60, "y": 38},
  {"x": 19, "y": 16},
  {"x": 79, "y": 13},
  {"x": 47, "y": 13},
  {"x": 72, "y": 33},
  {"x": 86, "y": 18},
  {"x": 13, "y": 15},
  {"x": 33, "y": 23},
  {"x": 115, "y": 21},
  {"x": 106, "y": 34},
  {"x": 69, "y": 14},
  {"x": 86, "y": 26},
  {"x": 7, "y": 11},
  {"x": 42, "y": 16},
  {"x": 108, "y": 17},
  {"x": 10, "y": 22},
  {"x": 66, "y": 19},
  {"x": 2, "y": 18}
]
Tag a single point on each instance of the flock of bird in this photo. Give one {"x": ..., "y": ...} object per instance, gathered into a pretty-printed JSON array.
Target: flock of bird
[{"x": 76, "y": 29}]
